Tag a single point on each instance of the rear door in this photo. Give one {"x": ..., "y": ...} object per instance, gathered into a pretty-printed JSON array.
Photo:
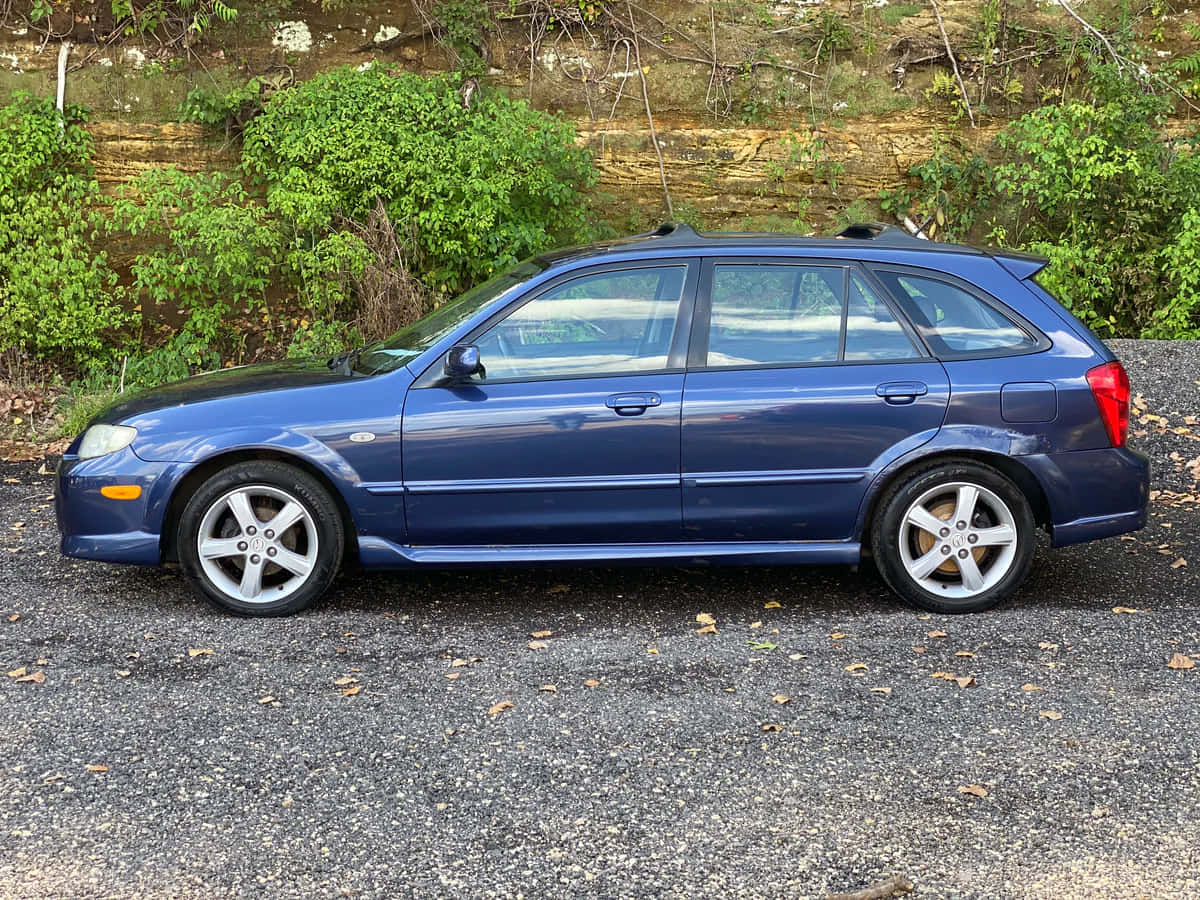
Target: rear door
[
  {"x": 572, "y": 435},
  {"x": 801, "y": 382}
]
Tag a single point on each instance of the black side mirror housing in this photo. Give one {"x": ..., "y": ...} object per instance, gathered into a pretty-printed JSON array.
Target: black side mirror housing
[{"x": 462, "y": 362}]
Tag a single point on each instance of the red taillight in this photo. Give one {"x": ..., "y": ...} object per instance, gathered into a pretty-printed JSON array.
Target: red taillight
[{"x": 1110, "y": 387}]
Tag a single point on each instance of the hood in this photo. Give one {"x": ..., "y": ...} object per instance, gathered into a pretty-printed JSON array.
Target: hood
[{"x": 257, "y": 379}]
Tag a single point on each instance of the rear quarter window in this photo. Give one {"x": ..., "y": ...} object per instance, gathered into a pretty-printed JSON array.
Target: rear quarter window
[{"x": 955, "y": 322}]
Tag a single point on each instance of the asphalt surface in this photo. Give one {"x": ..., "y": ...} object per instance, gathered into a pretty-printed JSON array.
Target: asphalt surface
[{"x": 253, "y": 768}]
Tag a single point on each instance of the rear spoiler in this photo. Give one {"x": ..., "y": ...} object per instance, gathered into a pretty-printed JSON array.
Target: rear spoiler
[{"x": 1023, "y": 265}]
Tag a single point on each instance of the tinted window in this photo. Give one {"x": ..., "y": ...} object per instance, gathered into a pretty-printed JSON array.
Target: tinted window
[
  {"x": 599, "y": 324},
  {"x": 872, "y": 332},
  {"x": 775, "y": 314},
  {"x": 953, "y": 321}
]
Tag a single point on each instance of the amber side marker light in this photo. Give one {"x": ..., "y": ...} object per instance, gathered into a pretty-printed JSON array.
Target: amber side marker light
[{"x": 121, "y": 491}]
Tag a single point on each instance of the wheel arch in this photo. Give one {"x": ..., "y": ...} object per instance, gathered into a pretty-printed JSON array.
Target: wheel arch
[
  {"x": 191, "y": 482},
  {"x": 1009, "y": 466}
]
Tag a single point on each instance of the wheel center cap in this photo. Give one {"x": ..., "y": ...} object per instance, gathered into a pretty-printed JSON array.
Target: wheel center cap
[
  {"x": 258, "y": 545},
  {"x": 958, "y": 540}
]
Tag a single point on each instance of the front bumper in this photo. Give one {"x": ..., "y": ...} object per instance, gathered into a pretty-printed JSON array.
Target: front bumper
[
  {"x": 1093, "y": 493},
  {"x": 96, "y": 527}
]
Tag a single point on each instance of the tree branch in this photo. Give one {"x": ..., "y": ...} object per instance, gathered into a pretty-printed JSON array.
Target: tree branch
[{"x": 962, "y": 88}]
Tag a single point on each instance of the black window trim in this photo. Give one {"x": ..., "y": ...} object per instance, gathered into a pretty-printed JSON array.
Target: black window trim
[
  {"x": 676, "y": 356},
  {"x": 697, "y": 360},
  {"x": 1041, "y": 342}
]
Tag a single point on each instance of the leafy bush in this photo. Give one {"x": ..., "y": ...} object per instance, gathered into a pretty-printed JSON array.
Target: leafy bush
[
  {"x": 1114, "y": 206},
  {"x": 56, "y": 290},
  {"x": 207, "y": 248},
  {"x": 472, "y": 189}
]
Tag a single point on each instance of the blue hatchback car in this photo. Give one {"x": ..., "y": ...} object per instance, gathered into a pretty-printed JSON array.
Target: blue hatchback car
[{"x": 671, "y": 397}]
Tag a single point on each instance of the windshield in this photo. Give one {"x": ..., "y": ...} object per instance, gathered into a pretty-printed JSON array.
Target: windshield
[{"x": 410, "y": 342}]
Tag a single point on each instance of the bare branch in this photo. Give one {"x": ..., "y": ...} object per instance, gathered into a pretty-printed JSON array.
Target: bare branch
[{"x": 954, "y": 63}]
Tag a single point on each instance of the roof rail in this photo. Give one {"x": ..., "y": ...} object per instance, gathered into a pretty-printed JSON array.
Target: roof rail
[
  {"x": 876, "y": 231},
  {"x": 666, "y": 229}
]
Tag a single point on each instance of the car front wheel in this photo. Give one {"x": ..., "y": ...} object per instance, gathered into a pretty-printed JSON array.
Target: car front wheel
[
  {"x": 954, "y": 537},
  {"x": 261, "y": 538}
]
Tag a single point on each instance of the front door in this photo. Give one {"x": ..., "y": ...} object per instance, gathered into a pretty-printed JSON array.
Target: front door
[
  {"x": 801, "y": 381},
  {"x": 572, "y": 433}
]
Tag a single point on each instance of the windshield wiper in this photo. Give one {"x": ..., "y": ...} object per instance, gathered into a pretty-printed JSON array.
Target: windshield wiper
[{"x": 347, "y": 359}]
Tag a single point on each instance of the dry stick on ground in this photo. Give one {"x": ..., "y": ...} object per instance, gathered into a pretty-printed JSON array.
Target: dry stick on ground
[
  {"x": 662, "y": 170},
  {"x": 897, "y": 884},
  {"x": 962, "y": 88}
]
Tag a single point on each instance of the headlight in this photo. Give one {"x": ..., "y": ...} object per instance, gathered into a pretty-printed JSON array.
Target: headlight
[{"x": 101, "y": 439}]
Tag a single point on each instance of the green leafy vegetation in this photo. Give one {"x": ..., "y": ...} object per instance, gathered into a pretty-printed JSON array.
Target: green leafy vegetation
[{"x": 471, "y": 189}]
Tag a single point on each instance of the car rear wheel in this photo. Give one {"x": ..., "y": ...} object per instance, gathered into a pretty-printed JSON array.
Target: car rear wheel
[
  {"x": 954, "y": 537},
  {"x": 261, "y": 539}
]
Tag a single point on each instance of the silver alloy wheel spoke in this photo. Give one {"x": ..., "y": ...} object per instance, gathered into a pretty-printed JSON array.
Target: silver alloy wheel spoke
[
  {"x": 285, "y": 518},
  {"x": 216, "y": 548},
  {"x": 293, "y": 562},
  {"x": 995, "y": 537},
  {"x": 255, "y": 561},
  {"x": 925, "y": 520},
  {"x": 923, "y": 566},
  {"x": 972, "y": 578},
  {"x": 251, "y": 584},
  {"x": 958, "y": 562},
  {"x": 964, "y": 506}
]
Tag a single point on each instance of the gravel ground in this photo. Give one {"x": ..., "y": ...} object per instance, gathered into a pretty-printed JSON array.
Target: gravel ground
[{"x": 658, "y": 764}]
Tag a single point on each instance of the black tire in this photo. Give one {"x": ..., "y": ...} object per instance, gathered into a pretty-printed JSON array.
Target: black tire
[
  {"x": 313, "y": 544},
  {"x": 898, "y": 547}
]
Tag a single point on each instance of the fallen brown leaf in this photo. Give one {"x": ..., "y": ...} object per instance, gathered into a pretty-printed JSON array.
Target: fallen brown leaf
[
  {"x": 937, "y": 634},
  {"x": 458, "y": 663},
  {"x": 344, "y": 680},
  {"x": 204, "y": 651},
  {"x": 500, "y": 707},
  {"x": 123, "y": 673},
  {"x": 781, "y": 698},
  {"x": 537, "y": 645},
  {"x": 653, "y": 651},
  {"x": 770, "y": 727},
  {"x": 17, "y": 673},
  {"x": 705, "y": 619},
  {"x": 707, "y": 629},
  {"x": 35, "y": 677},
  {"x": 559, "y": 589},
  {"x": 1179, "y": 563},
  {"x": 837, "y": 636},
  {"x": 975, "y": 790},
  {"x": 549, "y": 689},
  {"x": 756, "y": 624},
  {"x": 1124, "y": 610},
  {"x": 1178, "y": 661},
  {"x": 96, "y": 767},
  {"x": 918, "y": 649},
  {"x": 1050, "y": 714},
  {"x": 965, "y": 681},
  {"x": 965, "y": 654},
  {"x": 945, "y": 675},
  {"x": 856, "y": 667},
  {"x": 540, "y": 634},
  {"x": 267, "y": 699},
  {"x": 14, "y": 617},
  {"x": 1047, "y": 645},
  {"x": 772, "y": 604},
  {"x": 881, "y": 690},
  {"x": 453, "y": 676},
  {"x": 351, "y": 691},
  {"x": 1030, "y": 687}
]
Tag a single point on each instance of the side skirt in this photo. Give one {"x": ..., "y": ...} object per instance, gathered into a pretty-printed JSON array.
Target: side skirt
[{"x": 377, "y": 553}]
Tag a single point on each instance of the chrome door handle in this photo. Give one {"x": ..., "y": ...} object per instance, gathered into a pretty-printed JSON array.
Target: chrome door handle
[{"x": 632, "y": 404}]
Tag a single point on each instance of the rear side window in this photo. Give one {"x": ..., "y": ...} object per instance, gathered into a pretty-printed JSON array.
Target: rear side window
[
  {"x": 953, "y": 321},
  {"x": 789, "y": 314}
]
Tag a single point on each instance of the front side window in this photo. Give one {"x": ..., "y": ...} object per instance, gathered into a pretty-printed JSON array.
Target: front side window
[
  {"x": 953, "y": 321},
  {"x": 608, "y": 323}
]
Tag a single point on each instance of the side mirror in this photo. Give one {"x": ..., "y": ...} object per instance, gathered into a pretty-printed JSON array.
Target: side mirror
[{"x": 462, "y": 362}]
